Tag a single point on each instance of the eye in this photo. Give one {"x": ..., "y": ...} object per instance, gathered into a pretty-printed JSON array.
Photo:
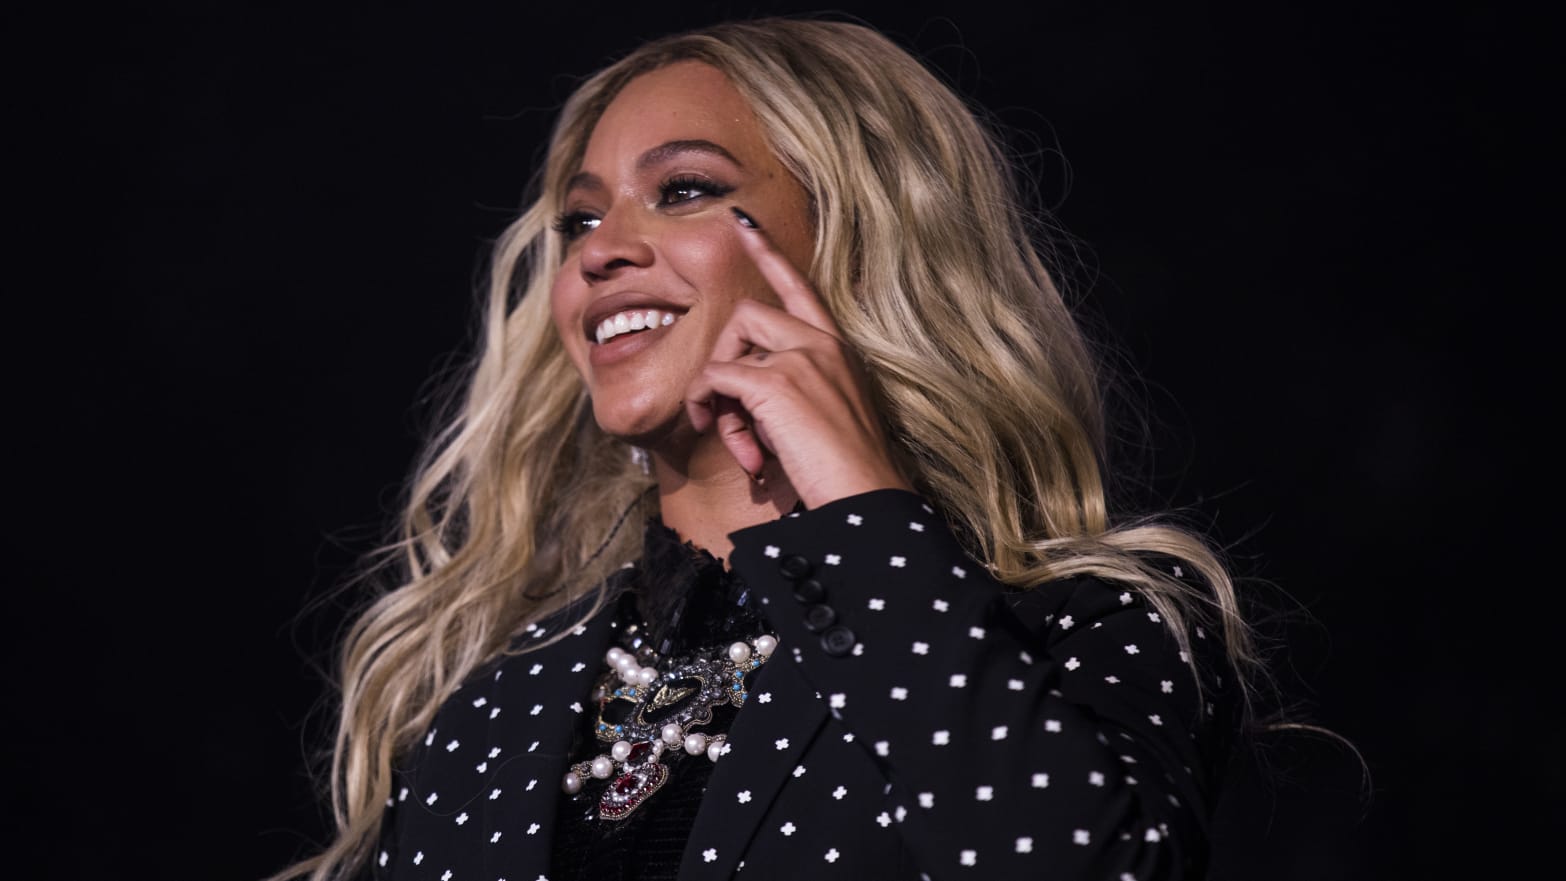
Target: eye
[
  {"x": 689, "y": 189},
  {"x": 573, "y": 224}
]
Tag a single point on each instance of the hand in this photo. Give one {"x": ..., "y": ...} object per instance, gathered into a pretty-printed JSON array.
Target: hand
[{"x": 783, "y": 381}]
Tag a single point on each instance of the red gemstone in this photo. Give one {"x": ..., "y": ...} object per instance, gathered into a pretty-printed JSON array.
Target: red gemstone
[
  {"x": 627, "y": 784},
  {"x": 630, "y": 790},
  {"x": 639, "y": 751}
]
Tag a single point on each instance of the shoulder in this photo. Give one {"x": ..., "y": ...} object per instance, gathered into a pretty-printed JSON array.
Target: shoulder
[
  {"x": 1105, "y": 634},
  {"x": 1091, "y": 614}
]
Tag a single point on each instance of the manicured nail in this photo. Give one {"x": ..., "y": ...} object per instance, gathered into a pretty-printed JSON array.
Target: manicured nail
[{"x": 744, "y": 219}]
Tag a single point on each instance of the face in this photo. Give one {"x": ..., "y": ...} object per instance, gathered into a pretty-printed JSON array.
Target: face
[{"x": 650, "y": 238}]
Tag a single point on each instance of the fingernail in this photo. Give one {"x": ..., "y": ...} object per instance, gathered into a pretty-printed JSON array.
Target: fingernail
[
  {"x": 744, "y": 219},
  {"x": 754, "y": 478}
]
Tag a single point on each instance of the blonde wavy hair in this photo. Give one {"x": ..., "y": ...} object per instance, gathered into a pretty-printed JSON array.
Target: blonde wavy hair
[{"x": 920, "y": 226}]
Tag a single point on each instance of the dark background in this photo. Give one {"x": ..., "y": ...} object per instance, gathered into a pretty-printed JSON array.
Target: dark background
[{"x": 248, "y": 241}]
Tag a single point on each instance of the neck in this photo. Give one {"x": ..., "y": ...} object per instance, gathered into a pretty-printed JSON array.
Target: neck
[{"x": 704, "y": 495}]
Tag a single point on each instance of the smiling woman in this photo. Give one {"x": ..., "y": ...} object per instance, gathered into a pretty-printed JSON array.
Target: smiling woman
[
  {"x": 648, "y": 225},
  {"x": 777, "y": 299}
]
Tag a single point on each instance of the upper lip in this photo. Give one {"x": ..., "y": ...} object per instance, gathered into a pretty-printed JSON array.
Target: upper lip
[{"x": 623, "y": 301}]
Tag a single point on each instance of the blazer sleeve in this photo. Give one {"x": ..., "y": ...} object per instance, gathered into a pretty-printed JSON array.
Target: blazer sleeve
[{"x": 1057, "y": 730}]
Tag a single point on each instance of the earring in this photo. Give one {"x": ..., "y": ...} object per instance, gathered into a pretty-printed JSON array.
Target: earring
[{"x": 641, "y": 459}]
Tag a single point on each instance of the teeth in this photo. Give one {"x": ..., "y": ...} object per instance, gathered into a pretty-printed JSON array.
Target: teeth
[{"x": 627, "y": 322}]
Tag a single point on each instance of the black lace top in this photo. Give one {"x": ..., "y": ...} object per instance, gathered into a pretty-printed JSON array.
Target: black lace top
[{"x": 679, "y": 603}]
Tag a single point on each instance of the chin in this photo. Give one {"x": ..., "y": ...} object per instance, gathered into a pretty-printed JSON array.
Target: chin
[{"x": 645, "y": 427}]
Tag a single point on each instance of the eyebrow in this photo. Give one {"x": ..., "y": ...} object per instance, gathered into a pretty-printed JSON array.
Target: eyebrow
[
  {"x": 665, "y": 152},
  {"x": 656, "y": 155}
]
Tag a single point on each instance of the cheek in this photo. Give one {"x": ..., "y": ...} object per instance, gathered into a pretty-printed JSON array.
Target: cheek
[
  {"x": 711, "y": 260},
  {"x": 567, "y": 325}
]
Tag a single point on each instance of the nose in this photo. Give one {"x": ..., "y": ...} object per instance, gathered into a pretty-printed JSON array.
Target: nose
[{"x": 616, "y": 245}]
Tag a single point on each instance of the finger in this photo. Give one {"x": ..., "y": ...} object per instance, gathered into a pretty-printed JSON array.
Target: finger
[
  {"x": 726, "y": 394},
  {"x": 734, "y": 429},
  {"x": 755, "y": 325},
  {"x": 793, "y": 289},
  {"x": 701, "y": 407}
]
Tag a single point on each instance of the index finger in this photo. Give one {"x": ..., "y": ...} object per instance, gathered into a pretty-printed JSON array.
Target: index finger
[{"x": 799, "y": 298}]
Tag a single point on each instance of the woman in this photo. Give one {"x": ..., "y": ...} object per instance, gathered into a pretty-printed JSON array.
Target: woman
[{"x": 778, "y": 301}]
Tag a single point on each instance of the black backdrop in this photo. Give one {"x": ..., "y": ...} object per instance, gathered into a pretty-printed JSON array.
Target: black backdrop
[{"x": 248, "y": 239}]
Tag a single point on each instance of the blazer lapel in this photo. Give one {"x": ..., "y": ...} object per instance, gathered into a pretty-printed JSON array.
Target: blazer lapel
[
  {"x": 770, "y": 733},
  {"x": 542, "y": 712}
]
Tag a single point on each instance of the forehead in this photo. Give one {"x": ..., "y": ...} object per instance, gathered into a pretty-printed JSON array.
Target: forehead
[{"x": 681, "y": 101}]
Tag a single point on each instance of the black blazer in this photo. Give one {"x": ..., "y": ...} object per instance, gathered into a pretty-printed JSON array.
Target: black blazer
[{"x": 937, "y": 726}]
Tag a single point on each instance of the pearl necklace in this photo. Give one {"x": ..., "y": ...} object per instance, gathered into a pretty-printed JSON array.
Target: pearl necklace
[{"x": 678, "y": 700}]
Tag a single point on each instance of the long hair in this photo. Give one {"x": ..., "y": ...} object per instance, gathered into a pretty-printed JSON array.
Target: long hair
[{"x": 935, "y": 271}]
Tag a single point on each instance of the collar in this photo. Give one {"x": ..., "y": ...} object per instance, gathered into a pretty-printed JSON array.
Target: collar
[{"x": 684, "y": 597}]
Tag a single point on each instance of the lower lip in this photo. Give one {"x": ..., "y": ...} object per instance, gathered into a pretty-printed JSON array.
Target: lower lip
[{"x": 624, "y": 346}]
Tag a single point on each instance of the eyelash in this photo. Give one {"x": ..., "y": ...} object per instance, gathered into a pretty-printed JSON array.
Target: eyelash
[
  {"x": 570, "y": 224},
  {"x": 691, "y": 182}
]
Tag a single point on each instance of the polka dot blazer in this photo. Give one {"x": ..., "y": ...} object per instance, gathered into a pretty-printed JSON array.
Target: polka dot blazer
[{"x": 916, "y": 721}]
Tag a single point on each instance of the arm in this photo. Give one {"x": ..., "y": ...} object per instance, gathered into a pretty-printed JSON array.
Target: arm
[{"x": 1070, "y": 744}]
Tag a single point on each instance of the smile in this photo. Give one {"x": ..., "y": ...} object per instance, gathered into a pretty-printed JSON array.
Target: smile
[{"x": 631, "y": 321}]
